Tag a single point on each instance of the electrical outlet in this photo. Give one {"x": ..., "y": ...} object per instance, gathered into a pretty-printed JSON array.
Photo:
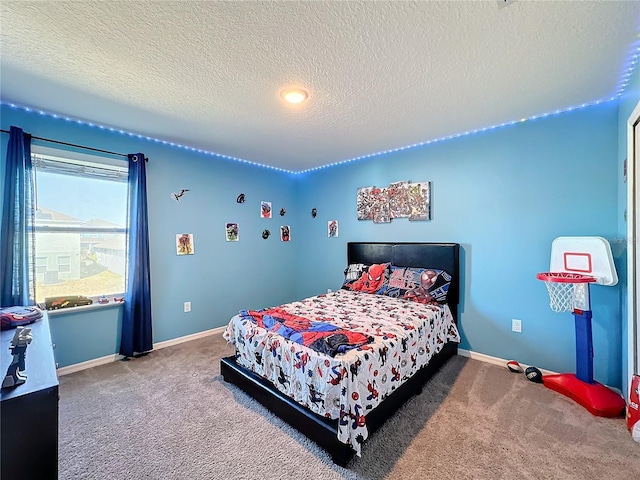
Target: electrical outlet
[
  {"x": 187, "y": 306},
  {"x": 516, "y": 325}
]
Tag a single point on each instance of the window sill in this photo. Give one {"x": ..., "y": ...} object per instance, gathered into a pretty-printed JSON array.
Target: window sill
[{"x": 83, "y": 308}]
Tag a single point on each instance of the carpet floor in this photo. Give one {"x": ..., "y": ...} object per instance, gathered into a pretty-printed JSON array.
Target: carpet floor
[{"x": 170, "y": 415}]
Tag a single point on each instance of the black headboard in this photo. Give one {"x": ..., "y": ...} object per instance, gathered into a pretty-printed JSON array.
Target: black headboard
[{"x": 442, "y": 256}]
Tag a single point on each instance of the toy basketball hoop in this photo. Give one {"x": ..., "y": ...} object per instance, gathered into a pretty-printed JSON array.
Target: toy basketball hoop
[
  {"x": 567, "y": 291},
  {"x": 576, "y": 263}
]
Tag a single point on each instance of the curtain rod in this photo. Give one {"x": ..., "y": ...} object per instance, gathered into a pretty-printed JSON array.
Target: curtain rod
[{"x": 74, "y": 145}]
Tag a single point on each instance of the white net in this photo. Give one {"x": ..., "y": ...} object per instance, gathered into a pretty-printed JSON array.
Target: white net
[
  {"x": 560, "y": 296},
  {"x": 567, "y": 297}
]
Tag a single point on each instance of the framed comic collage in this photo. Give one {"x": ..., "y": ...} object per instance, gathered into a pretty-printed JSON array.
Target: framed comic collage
[{"x": 398, "y": 200}]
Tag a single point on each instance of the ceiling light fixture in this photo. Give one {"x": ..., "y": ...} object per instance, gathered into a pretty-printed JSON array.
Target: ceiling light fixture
[{"x": 294, "y": 95}]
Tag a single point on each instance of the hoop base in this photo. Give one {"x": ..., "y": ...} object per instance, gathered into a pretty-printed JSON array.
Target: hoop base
[{"x": 595, "y": 397}]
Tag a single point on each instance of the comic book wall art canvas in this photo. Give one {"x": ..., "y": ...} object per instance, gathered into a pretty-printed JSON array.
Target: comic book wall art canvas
[
  {"x": 398, "y": 195},
  {"x": 285, "y": 233},
  {"x": 373, "y": 204},
  {"x": 363, "y": 204},
  {"x": 332, "y": 229},
  {"x": 184, "y": 244},
  {"x": 380, "y": 205},
  {"x": 265, "y": 209},
  {"x": 420, "y": 201},
  {"x": 399, "y": 200},
  {"x": 232, "y": 232}
]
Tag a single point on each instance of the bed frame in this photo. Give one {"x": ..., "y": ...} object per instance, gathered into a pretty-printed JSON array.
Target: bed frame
[{"x": 323, "y": 431}]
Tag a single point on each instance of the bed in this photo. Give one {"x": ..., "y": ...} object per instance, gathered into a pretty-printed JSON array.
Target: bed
[{"x": 335, "y": 397}]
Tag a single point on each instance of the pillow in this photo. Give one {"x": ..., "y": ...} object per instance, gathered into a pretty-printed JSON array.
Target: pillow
[
  {"x": 373, "y": 279},
  {"x": 425, "y": 285},
  {"x": 352, "y": 273}
]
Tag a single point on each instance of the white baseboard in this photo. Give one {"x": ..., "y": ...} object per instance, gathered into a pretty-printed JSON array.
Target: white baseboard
[
  {"x": 501, "y": 362},
  {"x": 77, "y": 367},
  {"x": 188, "y": 338}
]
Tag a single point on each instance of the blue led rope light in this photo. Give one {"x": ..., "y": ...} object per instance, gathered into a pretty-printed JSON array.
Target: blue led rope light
[
  {"x": 137, "y": 135},
  {"x": 462, "y": 134},
  {"x": 627, "y": 72}
]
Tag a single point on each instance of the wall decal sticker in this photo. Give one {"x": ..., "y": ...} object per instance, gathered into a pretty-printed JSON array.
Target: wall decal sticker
[
  {"x": 266, "y": 233},
  {"x": 283, "y": 211},
  {"x": 178, "y": 196},
  {"x": 184, "y": 244},
  {"x": 232, "y": 232},
  {"x": 314, "y": 212},
  {"x": 240, "y": 198},
  {"x": 265, "y": 209}
]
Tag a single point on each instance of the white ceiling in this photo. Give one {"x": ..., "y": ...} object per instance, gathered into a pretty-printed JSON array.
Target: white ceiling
[{"x": 381, "y": 75}]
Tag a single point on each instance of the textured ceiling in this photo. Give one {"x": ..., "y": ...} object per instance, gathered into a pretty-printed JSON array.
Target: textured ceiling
[{"x": 381, "y": 75}]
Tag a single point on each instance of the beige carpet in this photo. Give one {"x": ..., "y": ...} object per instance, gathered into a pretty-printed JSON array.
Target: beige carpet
[{"x": 169, "y": 415}]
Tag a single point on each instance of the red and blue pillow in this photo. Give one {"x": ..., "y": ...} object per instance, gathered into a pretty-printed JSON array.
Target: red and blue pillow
[
  {"x": 367, "y": 278},
  {"x": 424, "y": 285}
]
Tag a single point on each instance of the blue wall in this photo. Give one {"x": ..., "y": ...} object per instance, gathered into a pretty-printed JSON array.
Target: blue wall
[
  {"x": 221, "y": 277},
  {"x": 504, "y": 195}
]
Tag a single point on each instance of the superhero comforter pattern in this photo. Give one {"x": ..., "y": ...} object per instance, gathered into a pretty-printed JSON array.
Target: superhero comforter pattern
[
  {"x": 347, "y": 386},
  {"x": 321, "y": 336}
]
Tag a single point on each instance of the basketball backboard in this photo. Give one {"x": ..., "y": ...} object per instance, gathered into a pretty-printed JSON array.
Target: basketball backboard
[{"x": 586, "y": 256}]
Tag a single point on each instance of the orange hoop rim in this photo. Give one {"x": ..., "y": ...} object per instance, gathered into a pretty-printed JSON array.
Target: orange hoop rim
[{"x": 564, "y": 277}]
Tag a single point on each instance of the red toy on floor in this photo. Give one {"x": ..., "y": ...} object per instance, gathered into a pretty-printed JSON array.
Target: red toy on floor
[{"x": 633, "y": 409}]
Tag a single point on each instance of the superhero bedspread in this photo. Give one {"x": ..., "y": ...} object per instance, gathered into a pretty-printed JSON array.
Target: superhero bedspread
[{"x": 342, "y": 353}]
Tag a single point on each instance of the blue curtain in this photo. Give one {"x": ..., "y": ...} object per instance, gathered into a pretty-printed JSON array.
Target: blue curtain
[
  {"x": 17, "y": 255},
  {"x": 136, "y": 322}
]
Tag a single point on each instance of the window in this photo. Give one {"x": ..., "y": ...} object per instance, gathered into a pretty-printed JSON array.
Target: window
[
  {"x": 80, "y": 225},
  {"x": 64, "y": 263},
  {"x": 41, "y": 265}
]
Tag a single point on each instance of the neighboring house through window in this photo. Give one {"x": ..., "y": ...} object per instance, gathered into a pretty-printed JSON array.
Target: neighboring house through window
[
  {"x": 41, "y": 265},
  {"x": 80, "y": 225}
]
